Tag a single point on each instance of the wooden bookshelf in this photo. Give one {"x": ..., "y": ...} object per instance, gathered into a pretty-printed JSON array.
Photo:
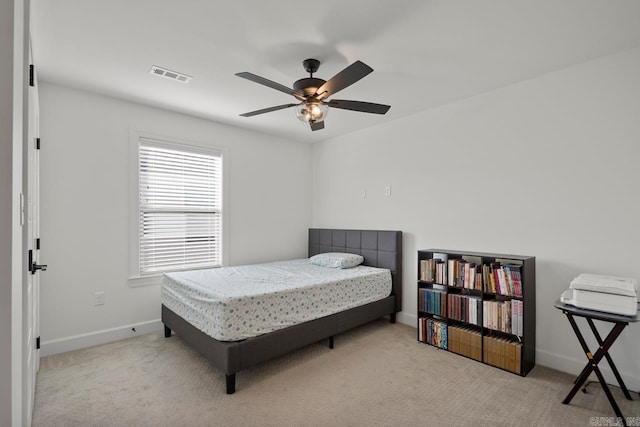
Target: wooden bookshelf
[{"x": 479, "y": 305}]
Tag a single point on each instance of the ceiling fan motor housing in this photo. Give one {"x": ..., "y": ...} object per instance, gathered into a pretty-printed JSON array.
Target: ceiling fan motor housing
[{"x": 308, "y": 85}]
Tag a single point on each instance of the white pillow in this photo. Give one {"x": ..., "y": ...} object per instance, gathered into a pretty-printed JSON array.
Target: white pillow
[{"x": 336, "y": 260}]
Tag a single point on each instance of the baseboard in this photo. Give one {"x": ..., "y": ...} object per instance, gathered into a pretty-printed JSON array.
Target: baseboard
[
  {"x": 575, "y": 365},
  {"x": 77, "y": 342},
  {"x": 407, "y": 319}
]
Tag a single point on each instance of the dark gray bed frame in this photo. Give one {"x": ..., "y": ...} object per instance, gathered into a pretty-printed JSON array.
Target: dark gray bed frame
[{"x": 379, "y": 249}]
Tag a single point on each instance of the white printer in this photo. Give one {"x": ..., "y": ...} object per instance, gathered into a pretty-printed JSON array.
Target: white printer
[{"x": 610, "y": 294}]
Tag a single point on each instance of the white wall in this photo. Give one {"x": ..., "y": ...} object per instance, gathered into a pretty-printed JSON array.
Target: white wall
[
  {"x": 84, "y": 206},
  {"x": 548, "y": 167}
]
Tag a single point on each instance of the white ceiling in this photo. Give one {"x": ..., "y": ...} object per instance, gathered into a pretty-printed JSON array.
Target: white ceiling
[{"x": 424, "y": 53}]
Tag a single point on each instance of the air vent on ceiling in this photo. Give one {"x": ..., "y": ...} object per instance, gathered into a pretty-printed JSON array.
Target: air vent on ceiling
[{"x": 173, "y": 75}]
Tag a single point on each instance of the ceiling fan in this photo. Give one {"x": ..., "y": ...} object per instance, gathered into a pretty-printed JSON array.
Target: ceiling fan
[{"x": 313, "y": 93}]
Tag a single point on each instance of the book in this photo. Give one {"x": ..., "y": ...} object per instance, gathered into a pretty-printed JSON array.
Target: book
[
  {"x": 461, "y": 269},
  {"x": 514, "y": 317},
  {"x": 467, "y": 278},
  {"x": 444, "y": 342},
  {"x": 436, "y": 333},
  {"x": 486, "y": 272},
  {"x": 518, "y": 358},
  {"x": 472, "y": 262},
  {"x": 520, "y": 318},
  {"x": 485, "y": 311},
  {"x": 478, "y": 282},
  {"x": 492, "y": 276},
  {"x": 440, "y": 274},
  {"x": 504, "y": 290},
  {"x": 453, "y": 339},
  {"x": 452, "y": 272}
]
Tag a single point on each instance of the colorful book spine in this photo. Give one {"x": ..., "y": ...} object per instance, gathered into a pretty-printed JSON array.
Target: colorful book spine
[
  {"x": 433, "y": 332},
  {"x": 432, "y": 301}
]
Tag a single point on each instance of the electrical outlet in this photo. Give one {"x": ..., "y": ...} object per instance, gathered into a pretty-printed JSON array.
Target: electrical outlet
[
  {"x": 387, "y": 190},
  {"x": 98, "y": 298}
]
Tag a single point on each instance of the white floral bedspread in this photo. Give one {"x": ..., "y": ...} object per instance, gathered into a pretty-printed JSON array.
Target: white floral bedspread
[{"x": 234, "y": 303}]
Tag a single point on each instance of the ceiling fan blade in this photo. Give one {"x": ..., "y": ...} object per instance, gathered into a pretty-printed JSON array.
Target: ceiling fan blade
[
  {"x": 267, "y": 110},
  {"x": 364, "y": 107},
  {"x": 271, "y": 84},
  {"x": 317, "y": 125},
  {"x": 344, "y": 78}
]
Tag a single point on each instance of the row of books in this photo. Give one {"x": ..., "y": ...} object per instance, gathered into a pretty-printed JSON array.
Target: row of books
[
  {"x": 493, "y": 277},
  {"x": 465, "y": 341},
  {"x": 507, "y": 280},
  {"x": 503, "y": 353},
  {"x": 432, "y": 301},
  {"x": 432, "y": 332},
  {"x": 464, "y": 274},
  {"x": 433, "y": 270},
  {"x": 504, "y": 316},
  {"x": 465, "y": 308}
]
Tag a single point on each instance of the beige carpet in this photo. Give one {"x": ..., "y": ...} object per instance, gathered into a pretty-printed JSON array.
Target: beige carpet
[{"x": 377, "y": 375}]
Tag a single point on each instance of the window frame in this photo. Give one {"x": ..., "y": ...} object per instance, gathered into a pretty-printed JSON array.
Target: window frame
[{"x": 137, "y": 279}]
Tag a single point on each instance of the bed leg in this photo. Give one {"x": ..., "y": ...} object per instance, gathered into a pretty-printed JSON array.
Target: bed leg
[
  {"x": 167, "y": 331},
  {"x": 392, "y": 318},
  {"x": 331, "y": 342},
  {"x": 231, "y": 383}
]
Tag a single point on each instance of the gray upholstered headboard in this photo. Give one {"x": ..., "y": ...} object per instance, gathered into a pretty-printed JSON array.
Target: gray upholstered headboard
[{"x": 380, "y": 248}]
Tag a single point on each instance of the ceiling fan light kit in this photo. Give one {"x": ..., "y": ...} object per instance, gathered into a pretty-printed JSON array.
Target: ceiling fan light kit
[
  {"x": 312, "y": 92},
  {"x": 310, "y": 112}
]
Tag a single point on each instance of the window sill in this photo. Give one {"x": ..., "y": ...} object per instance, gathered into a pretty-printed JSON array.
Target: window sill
[
  {"x": 156, "y": 279},
  {"x": 137, "y": 282}
]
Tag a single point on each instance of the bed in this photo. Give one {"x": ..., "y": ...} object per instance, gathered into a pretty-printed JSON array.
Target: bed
[{"x": 380, "y": 249}]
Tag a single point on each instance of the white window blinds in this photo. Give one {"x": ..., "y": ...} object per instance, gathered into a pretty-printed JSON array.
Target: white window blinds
[{"x": 180, "y": 207}]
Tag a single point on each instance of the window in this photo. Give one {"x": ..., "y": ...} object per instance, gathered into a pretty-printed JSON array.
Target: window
[{"x": 179, "y": 207}]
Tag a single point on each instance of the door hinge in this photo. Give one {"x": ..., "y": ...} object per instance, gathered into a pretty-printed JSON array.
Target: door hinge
[
  {"x": 38, "y": 243},
  {"x": 37, "y": 143},
  {"x": 31, "y": 77},
  {"x": 33, "y": 267},
  {"x": 38, "y": 343}
]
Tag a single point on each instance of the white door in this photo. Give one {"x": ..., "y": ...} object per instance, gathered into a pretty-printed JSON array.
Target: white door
[{"x": 32, "y": 289}]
